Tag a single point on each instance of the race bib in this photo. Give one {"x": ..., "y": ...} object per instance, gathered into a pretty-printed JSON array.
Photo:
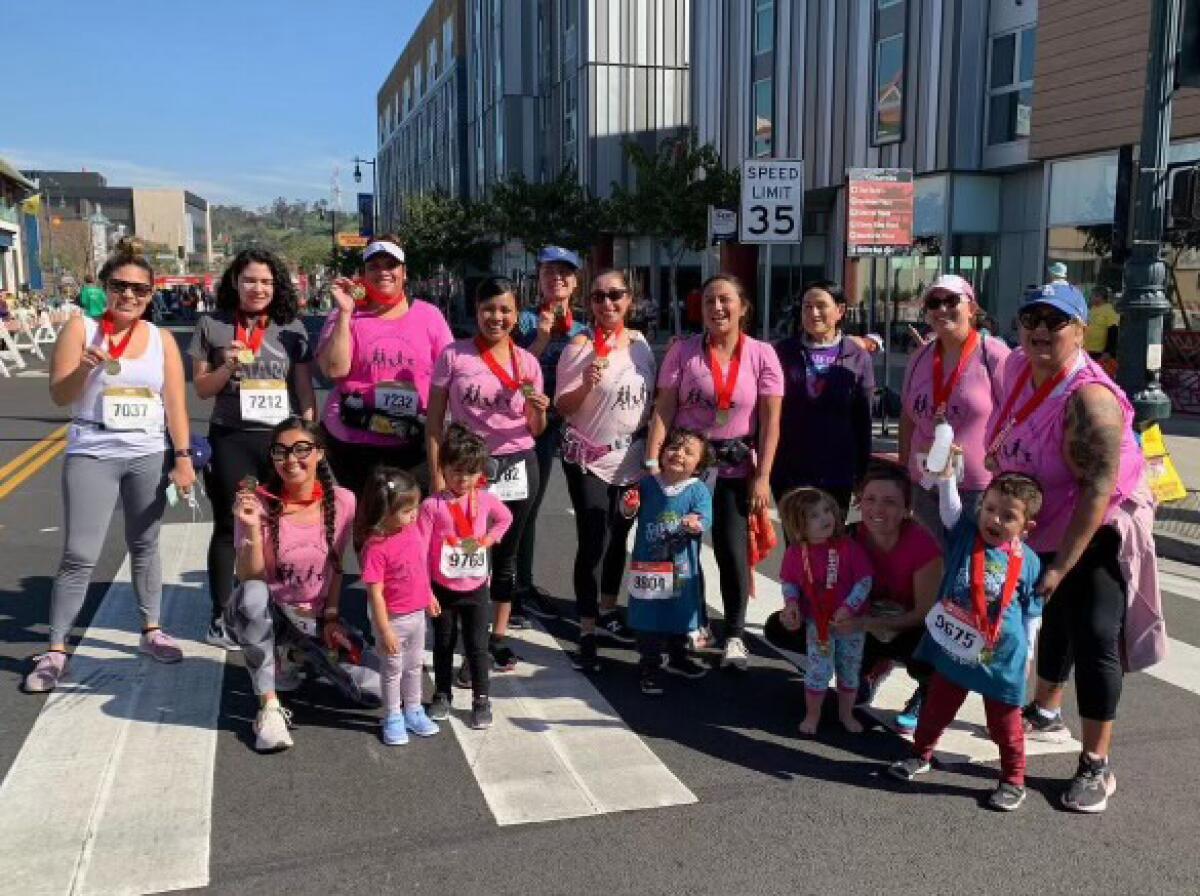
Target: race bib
[
  {"x": 955, "y": 632},
  {"x": 457, "y": 563},
  {"x": 512, "y": 484},
  {"x": 651, "y": 581},
  {"x": 265, "y": 401},
  {"x": 130, "y": 409},
  {"x": 397, "y": 398}
]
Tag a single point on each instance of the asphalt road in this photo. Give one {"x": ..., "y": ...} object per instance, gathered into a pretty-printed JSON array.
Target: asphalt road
[{"x": 340, "y": 813}]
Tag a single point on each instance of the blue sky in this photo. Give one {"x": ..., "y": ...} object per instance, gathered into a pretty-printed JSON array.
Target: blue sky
[{"x": 239, "y": 102}]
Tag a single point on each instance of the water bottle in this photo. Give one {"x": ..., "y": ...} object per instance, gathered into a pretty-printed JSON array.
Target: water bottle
[{"x": 939, "y": 451}]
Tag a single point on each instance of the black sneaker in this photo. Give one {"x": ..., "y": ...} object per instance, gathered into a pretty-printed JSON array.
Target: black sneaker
[
  {"x": 908, "y": 769},
  {"x": 686, "y": 667},
  {"x": 463, "y": 678},
  {"x": 1091, "y": 787},
  {"x": 537, "y": 602},
  {"x": 612, "y": 625},
  {"x": 219, "y": 635},
  {"x": 439, "y": 709},
  {"x": 518, "y": 620},
  {"x": 481, "y": 713},
  {"x": 503, "y": 659},
  {"x": 1006, "y": 797},
  {"x": 586, "y": 659},
  {"x": 650, "y": 684},
  {"x": 1038, "y": 727}
]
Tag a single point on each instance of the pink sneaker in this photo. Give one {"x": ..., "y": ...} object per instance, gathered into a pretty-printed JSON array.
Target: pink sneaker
[
  {"x": 48, "y": 668},
  {"x": 158, "y": 645}
]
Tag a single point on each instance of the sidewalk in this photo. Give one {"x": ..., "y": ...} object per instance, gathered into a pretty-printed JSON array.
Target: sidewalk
[{"x": 1177, "y": 525}]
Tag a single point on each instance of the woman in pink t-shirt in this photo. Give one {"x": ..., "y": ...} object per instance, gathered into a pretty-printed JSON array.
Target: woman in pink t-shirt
[
  {"x": 729, "y": 387},
  {"x": 605, "y": 385},
  {"x": 955, "y": 377},
  {"x": 290, "y": 536},
  {"x": 494, "y": 388},
  {"x": 379, "y": 351}
]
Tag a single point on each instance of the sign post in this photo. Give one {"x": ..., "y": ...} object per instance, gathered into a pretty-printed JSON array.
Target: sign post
[
  {"x": 879, "y": 222},
  {"x": 772, "y": 211}
]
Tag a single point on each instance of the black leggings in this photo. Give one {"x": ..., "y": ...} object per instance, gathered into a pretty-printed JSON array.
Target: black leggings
[
  {"x": 236, "y": 454},
  {"x": 352, "y": 463},
  {"x": 546, "y": 447},
  {"x": 472, "y": 608},
  {"x": 730, "y": 535},
  {"x": 504, "y": 555},
  {"x": 600, "y": 530},
  {"x": 1082, "y": 626}
]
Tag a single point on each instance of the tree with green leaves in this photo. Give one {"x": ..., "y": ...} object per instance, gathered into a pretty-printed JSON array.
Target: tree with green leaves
[
  {"x": 560, "y": 212},
  {"x": 442, "y": 233},
  {"x": 674, "y": 185}
]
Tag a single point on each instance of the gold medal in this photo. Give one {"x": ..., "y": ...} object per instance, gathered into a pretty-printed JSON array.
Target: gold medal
[
  {"x": 248, "y": 484},
  {"x": 358, "y": 293},
  {"x": 985, "y": 656},
  {"x": 112, "y": 367},
  {"x": 246, "y": 356},
  {"x": 527, "y": 389},
  {"x": 469, "y": 545},
  {"x": 601, "y": 363},
  {"x": 722, "y": 416}
]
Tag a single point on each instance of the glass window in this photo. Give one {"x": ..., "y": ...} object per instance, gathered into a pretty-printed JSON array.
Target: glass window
[
  {"x": 1010, "y": 86},
  {"x": 764, "y": 26},
  {"x": 764, "y": 117},
  {"x": 447, "y": 42},
  {"x": 1004, "y": 50},
  {"x": 889, "y": 89},
  {"x": 1028, "y": 50},
  {"x": 433, "y": 59}
]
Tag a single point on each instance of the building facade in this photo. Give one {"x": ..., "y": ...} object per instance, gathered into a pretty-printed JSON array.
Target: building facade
[{"x": 14, "y": 189}]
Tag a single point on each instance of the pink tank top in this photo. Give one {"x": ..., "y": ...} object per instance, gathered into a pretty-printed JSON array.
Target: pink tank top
[{"x": 1035, "y": 448}]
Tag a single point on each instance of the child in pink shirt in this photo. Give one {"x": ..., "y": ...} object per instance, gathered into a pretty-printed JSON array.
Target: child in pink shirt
[
  {"x": 395, "y": 570},
  {"x": 463, "y": 523},
  {"x": 827, "y": 578}
]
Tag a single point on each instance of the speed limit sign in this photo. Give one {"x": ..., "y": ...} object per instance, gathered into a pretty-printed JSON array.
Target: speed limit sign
[{"x": 772, "y": 201}]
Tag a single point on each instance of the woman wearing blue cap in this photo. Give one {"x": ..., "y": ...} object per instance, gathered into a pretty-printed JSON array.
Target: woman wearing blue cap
[{"x": 544, "y": 333}]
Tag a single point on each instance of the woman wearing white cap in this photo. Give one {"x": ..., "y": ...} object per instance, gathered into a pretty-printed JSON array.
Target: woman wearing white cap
[{"x": 379, "y": 349}]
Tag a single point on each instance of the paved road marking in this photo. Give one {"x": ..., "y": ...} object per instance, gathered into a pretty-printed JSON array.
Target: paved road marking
[
  {"x": 1180, "y": 586},
  {"x": 1181, "y": 667},
  {"x": 112, "y": 790},
  {"x": 32, "y": 451},
  {"x": 557, "y": 748}
]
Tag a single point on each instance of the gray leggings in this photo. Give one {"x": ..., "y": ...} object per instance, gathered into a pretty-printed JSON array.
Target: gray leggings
[{"x": 91, "y": 486}]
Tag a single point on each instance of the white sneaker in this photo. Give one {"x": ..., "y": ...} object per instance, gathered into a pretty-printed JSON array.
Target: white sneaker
[
  {"x": 271, "y": 728},
  {"x": 735, "y": 654}
]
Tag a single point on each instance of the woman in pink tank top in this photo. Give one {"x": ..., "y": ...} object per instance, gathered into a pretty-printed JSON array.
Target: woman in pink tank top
[{"x": 1062, "y": 421}]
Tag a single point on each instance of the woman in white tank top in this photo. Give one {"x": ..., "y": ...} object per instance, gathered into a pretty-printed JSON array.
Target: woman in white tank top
[{"x": 123, "y": 379}]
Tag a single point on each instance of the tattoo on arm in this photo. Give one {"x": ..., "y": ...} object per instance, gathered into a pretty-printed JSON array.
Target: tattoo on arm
[{"x": 1094, "y": 430}]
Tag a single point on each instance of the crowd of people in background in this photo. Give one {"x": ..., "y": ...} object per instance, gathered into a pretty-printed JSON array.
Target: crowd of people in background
[{"x": 1016, "y": 514}]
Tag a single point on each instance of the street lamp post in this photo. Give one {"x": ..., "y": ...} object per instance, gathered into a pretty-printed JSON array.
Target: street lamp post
[
  {"x": 374, "y": 190},
  {"x": 1143, "y": 303}
]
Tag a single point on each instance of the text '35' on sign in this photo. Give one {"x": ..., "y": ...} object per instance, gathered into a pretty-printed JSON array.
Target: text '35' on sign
[{"x": 772, "y": 203}]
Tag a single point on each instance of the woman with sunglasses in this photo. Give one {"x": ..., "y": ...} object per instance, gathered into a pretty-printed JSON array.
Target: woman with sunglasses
[
  {"x": 952, "y": 380},
  {"x": 379, "y": 349},
  {"x": 494, "y": 388},
  {"x": 605, "y": 387},
  {"x": 123, "y": 378},
  {"x": 729, "y": 387},
  {"x": 253, "y": 357},
  {"x": 290, "y": 536},
  {"x": 1062, "y": 421},
  {"x": 825, "y": 432},
  {"x": 545, "y": 333}
]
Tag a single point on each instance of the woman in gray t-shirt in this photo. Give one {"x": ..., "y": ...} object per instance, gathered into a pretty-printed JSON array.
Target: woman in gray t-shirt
[{"x": 254, "y": 357}]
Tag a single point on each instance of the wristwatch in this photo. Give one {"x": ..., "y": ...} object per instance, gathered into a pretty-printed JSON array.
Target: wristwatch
[{"x": 184, "y": 452}]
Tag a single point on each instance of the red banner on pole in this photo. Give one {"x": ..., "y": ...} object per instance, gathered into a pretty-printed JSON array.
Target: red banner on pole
[{"x": 879, "y": 211}]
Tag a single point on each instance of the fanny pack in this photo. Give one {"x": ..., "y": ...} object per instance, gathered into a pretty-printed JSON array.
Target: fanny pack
[
  {"x": 355, "y": 414},
  {"x": 580, "y": 451},
  {"x": 733, "y": 452}
]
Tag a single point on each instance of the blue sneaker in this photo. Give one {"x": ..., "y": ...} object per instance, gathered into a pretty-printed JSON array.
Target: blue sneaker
[
  {"x": 416, "y": 721},
  {"x": 906, "y": 721},
  {"x": 394, "y": 732}
]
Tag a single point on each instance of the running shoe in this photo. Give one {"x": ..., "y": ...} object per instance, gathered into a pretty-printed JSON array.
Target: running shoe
[
  {"x": 503, "y": 659},
  {"x": 586, "y": 659},
  {"x": 908, "y": 769},
  {"x": 537, "y": 602},
  {"x": 463, "y": 678},
  {"x": 481, "y": 713},
  {"x": 160, "y": 646},
  {"x": 48, "y": 668},
  {"x": 735, "y": 654},
  {"x": 907, "y": 718},
  {"x": 648, "y": 680},
  {"x": 518, "y": 620},
  {"x": 1006, "y": 797},
  {"x": 394, "y": 732},
  {"x": 686, "y": 667},
  {"x": 439, "y": 709},
  {"x": 613, "y": 625},
  {"x": 219, "y": 635},
  {"x": 1091, "y": 787},
  {"x": 1039, "y": 726},
  {"x": 416, "y": 721},
  {"x": 701, "y": 639},
  {"x": 271, "y": 728}
]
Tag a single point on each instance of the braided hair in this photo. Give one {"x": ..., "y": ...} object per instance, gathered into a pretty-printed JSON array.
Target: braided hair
[{"x": 316, "y": 433}]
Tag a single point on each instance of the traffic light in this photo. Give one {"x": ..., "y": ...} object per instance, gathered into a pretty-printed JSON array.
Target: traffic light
[
  {"x": 1187, "y": 60},
  {"x": 1185, "y": 199},
  {"x": 179, "y": 250}
]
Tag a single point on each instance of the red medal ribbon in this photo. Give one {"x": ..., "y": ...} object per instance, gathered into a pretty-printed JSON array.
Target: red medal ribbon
[
  {"x": 991, "y": 630},
  {"x": 722, "y": 386},
  {"x": 824, "y": 600},
  {"x": 1008, "y": 423},
  {"x": 318, "y": 493},
  {"x": 464, "y": 521},
  {"x": 563, "y": 324},
  {"x": 251, "y": 338},
  {"x": 512, "y": 381},
  {"x": 108, "y": 328},
  {"x": 605, "y": 341},
  {"x": 942, "y": 390}
]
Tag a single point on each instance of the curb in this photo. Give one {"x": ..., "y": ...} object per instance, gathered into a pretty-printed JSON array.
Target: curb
[{"x": 1175, "y": 547}]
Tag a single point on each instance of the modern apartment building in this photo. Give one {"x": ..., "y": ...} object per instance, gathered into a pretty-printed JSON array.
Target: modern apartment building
[{"x": 14, "y": 189}]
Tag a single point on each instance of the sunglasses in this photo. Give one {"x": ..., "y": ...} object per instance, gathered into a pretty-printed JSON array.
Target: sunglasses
[
  {"x": 1054, "y": 319},
  {"x": 947, "y": 300},
  {"x": 598, "y": 296},
  {"x": 302, "y": 451},
  {"x": 120, "y": 287}
]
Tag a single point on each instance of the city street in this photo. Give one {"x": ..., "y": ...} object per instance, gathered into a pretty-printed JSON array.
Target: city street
[{"x": 137, "y": 777}]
